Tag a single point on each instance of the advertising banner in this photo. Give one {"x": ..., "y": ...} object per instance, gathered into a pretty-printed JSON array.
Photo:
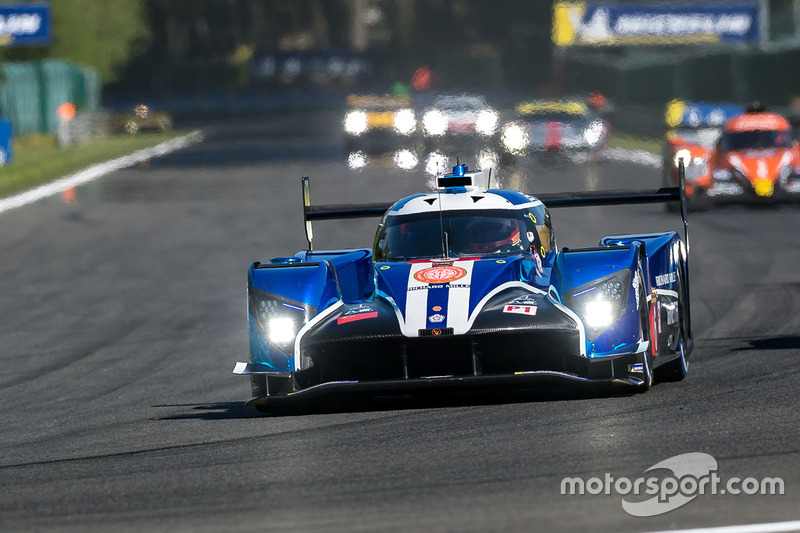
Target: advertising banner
[
  {"x": 25, "y": 24},
  {"x": 606, "y": 24}
]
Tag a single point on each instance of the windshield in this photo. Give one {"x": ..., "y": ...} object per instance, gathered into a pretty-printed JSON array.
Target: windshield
[
  {"x": 757, "y": 139},
  {"x": 467, "y": 233},
  {"x": 700, "y": 136},
  {"x": 558, "y": 117}
]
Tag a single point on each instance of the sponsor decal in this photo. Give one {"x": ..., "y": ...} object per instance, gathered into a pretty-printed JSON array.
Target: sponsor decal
[
  {"x": 352, "y": 318},
  {"x": 437, "y": 308},
  {"x": 528, "y": 299},
  {"x": 385, "y": 267},
  {"x": 359, "y": 308},
  {"x": 521, "y": 309},
  {"x": 436, "y": 318},
  {"x": 664, "y": 279},
  {"x": 429, "y": 287},
  {"x": 440, "y": 274},
  {"x": 501, "y": 261},
  {"x": 436, "y": 332},
  {"x": 538, "y": 261},
  {"x": 442, "y": 263}
]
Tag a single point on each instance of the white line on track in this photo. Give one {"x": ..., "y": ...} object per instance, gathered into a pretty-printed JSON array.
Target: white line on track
[
  {"x": 773, "y": 527},
  {"x": 101, "y": 169},
  {"x": 640, "y": 157}
]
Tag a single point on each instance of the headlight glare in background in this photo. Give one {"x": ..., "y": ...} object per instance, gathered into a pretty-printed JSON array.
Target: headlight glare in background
[
  {"x": 514, "y": 138},
  {"x": 682, "y": 155},
  {"x": 405, "y": 122},
  {"x": 486, "y": 124},
  {"x": 355, "y": 122},
  {"x": 434, "y": 122}
]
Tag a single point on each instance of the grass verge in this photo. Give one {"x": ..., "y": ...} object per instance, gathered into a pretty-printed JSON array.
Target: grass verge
[
  {"x": 635, "y": 142},
  {"x": 38, "y": 159}
]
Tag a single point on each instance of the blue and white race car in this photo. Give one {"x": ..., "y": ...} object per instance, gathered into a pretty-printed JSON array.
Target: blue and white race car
[{"x": 466, "y": 287}]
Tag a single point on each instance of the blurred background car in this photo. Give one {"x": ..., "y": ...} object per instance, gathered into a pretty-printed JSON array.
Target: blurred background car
[
  {"x": 142, "y": 118},
  {"x": 553, "y": 126},
  {"x": 756, "y": 158},
  {"x": 451, "y": 119},
  {"x": 692, "y": 129},
  {"x": 378, "y": 122}
]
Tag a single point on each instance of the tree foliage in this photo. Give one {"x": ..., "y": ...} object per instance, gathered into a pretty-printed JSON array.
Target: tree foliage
[{"x": 101, "y": 35}]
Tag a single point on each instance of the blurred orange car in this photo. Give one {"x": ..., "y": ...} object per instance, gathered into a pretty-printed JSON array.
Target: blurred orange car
[
  {"x": 693, "y": 129},
  {"x": 756, "y": 158}
]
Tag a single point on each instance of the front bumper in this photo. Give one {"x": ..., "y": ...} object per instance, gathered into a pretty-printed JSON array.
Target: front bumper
[{"x": 270, "y": 388}]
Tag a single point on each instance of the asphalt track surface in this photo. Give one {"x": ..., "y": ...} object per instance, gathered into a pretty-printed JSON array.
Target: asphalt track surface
[{"x": 123, "y": 306}]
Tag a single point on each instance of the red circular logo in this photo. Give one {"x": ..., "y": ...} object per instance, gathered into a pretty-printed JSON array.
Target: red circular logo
[{"x": 440, "y": 274}]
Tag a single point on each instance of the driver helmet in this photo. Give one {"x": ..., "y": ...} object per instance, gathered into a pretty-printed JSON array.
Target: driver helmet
[{"x": 491, "y": 235}]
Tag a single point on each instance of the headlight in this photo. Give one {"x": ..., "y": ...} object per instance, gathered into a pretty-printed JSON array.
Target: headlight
[
  {"x": 278, "y": 321},
  {"x": 682, "y": 155},
  {"x": 355, "y": 122},
  {"x": 486, "y": 123},
  {"x": 514, "y": 138},
  {"x": 436, "y": 163},
  {"x": 594, "y": 133},
  {"x": 357, "y": 160},
  {"x": 487, "y": 159},
  {"x": 405, "y": 122},
  {"x": 434, "y": 122},
  {"x": 601, "y": 303},
  {"x": 406, "y": 159}
]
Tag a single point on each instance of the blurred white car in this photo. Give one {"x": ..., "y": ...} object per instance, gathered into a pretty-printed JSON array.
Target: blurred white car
[{"x": 460, "y": 115}]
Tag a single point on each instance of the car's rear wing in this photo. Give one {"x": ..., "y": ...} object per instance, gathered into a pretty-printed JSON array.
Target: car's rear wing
[{"x": 563, "y": 199}]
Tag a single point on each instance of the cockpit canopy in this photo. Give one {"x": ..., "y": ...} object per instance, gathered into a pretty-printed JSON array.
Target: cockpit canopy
[{"x": 462, "y": 234}]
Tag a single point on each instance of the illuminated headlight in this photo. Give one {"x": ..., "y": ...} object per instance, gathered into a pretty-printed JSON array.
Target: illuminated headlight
[
  {"x": 434, "y": 122},
  {"x": 601, "y": 303},
  {"x": 406, "y": 159},
  {"x": 278, "y": 321},
  {"x": 355, "y": 122},
  {"x": 405, "y": 122},
  {"x": 281, "y": 330},
  {"x": 594, "y": 133},
  {"x": 486, "y": 123},
  {"x": 357, "y": 160},
  {"x": 682, "y": 155},
  {"x": 436, "y": 163},
  {"x": 514, "y": 138},
  {"x": 487, "y": 159}
]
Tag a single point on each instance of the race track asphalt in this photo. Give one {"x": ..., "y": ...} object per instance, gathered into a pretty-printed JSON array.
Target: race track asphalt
[{"x": 123, "y": 306}]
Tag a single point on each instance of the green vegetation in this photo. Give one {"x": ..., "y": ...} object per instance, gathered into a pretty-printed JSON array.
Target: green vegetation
[
  {"x": 104, "y": 35},
  {"x": 37, "y": 159},
  {"x": 635, "y": 142}
]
